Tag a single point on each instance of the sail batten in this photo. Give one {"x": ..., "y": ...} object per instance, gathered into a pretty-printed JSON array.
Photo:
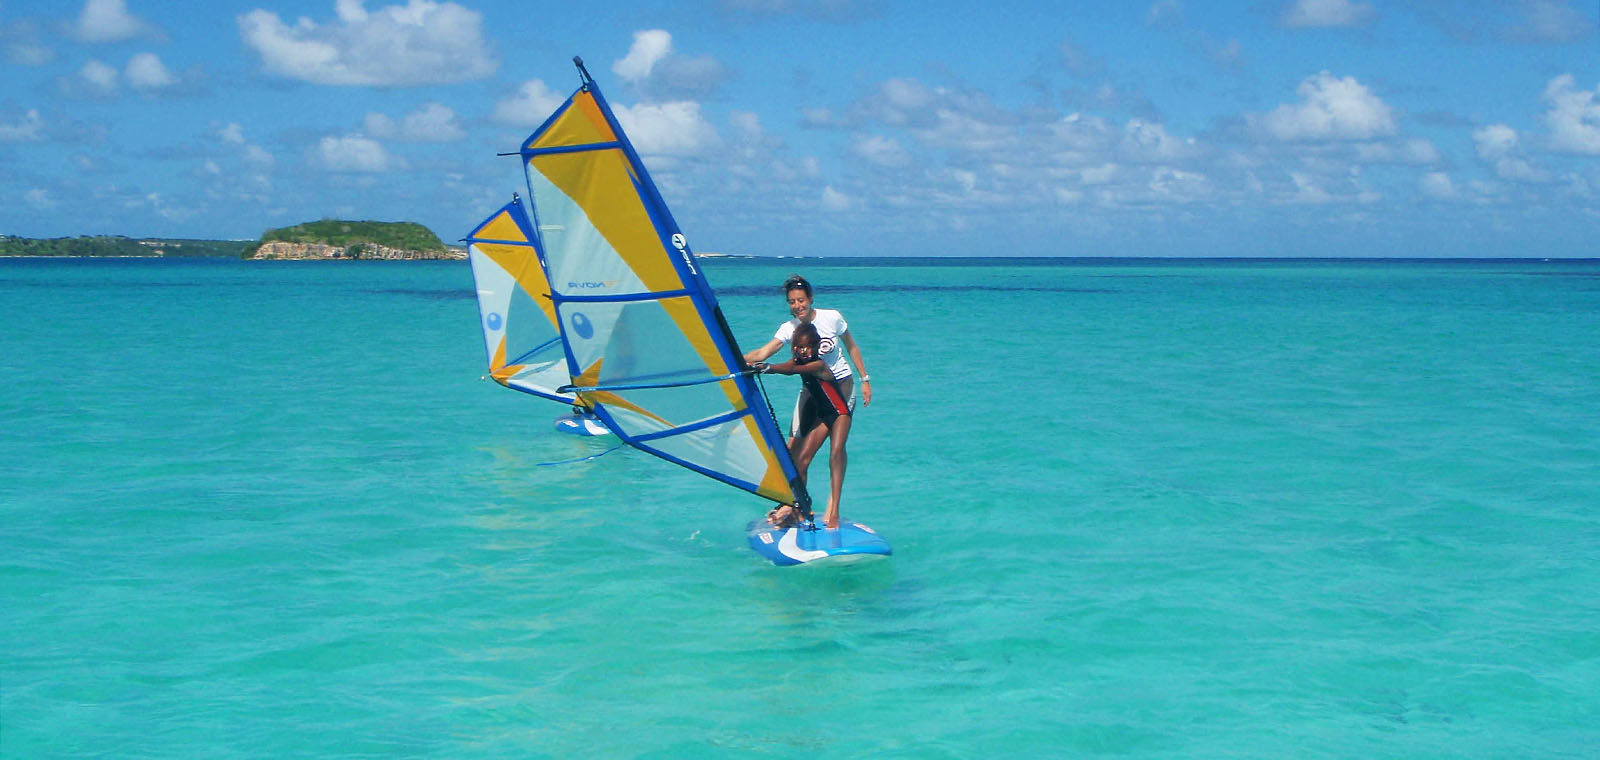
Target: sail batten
[
  {"x": 646, "y": 346},
  {"x": 652, "y": 296},
  {"x": 612, "y": 145}
]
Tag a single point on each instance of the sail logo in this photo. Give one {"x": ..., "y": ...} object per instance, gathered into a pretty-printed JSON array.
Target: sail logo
[
  {"x": 582, "y": 326},
  {"x": 592, "y": 285},
  {"x": 493, "y": 320},
  {"x": 682, "y": 244}
]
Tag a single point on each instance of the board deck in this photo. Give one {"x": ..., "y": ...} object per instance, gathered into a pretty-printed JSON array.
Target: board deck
[
  {"x": 586, "y": 425},
  {"x": 802, "y": 544}
]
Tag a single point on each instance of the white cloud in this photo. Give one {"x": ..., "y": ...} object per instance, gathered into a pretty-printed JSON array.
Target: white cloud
[
  {"x": 820, "y": 118},
  {"x": 233, "y": 134},
  {"x": 649, "y": 47},
  {"x": 833, "y": 200},
  {"x": 1150, "y": 142},
  {"x": 39, "y": 198},
  {"x": 962, "y": 120},
  {"x": 1414, "y": 152},
  {"x": 1333, "y": 109},
  {"x": 26, "y": 130},
  {"x": 1228, "y": 54},
  {"x": 1178, "y": 185},
  {"x": 164, "y": 207},
  {"x": 654, "y": 70},
  {"x": 1520, "y": 170},
  {"x": 675, "y": 129},
  {"x": 257, "y": 156},
  {"x": 1326, "y": 13},
  {"x": 747, "y": 125},
  {"x": 1495, "y": 141},
  {"x": 101, "y": 79},
  {"x": 22, "y": 45},
  {"x": 1437, "y": 185},
  {"x": 905, "y": 101},
  {"x": 1307, "y": 190},
  {"x": 1554, "y": 21},
  {"x": 1162, "y": 11},
  {"x": 1420, "y": 151},
  {"x": 883, "y": 151},
  {"x": 1498, "y": 145},
  {"x": 1080, "y": 139},
  {"x": 146, "y": 72},
  {"x": 1098, "y": 175},
  {"x": 533, "y": 102},
  {"x": 353, "y": 153},
  {"x": 108, "y": 21},
  {"x": 1574, "y": 116},
  {"x": 431, "y": 122},
  {"x": 420, "y": 43}
]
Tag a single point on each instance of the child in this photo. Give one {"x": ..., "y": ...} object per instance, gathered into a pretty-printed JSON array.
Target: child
[{"x": 825, "y": 413}]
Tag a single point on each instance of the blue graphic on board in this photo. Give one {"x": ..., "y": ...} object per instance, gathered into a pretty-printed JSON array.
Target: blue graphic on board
[
  {"x": 805, "y": 543},
  {"x": 493, "y": 321}
]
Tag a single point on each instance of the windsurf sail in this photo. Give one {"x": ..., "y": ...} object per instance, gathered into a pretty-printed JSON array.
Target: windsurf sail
[
  {"x": 514, "y": 307},
  {"x": 645, "y": 343}
]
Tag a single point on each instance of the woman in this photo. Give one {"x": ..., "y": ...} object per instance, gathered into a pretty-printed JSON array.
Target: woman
[{"x": 834, "y": 335}]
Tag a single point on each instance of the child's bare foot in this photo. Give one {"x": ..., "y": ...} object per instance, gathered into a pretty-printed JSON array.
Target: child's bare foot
[{"x": 783, "y": 516}]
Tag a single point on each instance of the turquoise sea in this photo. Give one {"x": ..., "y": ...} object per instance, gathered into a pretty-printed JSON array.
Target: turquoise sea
[{"x": 1145, "y": 509}]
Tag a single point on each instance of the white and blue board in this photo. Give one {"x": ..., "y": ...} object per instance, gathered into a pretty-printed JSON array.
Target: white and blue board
[
  {"x": 808, "y": 542},
  {"x": 582, "y": 423}
]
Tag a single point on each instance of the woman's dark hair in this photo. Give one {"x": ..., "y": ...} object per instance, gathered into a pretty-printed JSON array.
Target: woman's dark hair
[{"x": 796, "y": 281}]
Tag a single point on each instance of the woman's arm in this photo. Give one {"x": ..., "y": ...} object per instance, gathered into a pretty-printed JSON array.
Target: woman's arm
[
  {"x": 861, "y": 369},
  {"x": 760, "y": 354}
]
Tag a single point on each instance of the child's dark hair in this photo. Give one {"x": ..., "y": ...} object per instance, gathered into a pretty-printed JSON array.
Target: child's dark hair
[
  {"x": 806, "y": 328},
  {"x": 796, "y": 281}
]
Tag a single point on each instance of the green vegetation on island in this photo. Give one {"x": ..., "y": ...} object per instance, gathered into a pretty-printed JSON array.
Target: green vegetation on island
[
  {"x": 119, "y": 246},
  {"x": 325, "y": 239},
  {"x": 353, "y": 236}
]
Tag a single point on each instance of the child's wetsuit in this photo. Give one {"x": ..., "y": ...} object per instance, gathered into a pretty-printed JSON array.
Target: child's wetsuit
[{"x": 823, "y": 402}]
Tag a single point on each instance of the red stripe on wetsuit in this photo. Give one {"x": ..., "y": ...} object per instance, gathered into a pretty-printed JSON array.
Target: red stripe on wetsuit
[{"x": 830, "y": 391}]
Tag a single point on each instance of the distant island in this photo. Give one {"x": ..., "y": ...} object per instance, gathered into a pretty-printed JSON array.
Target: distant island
[
  {"x": 117, "y": 246},
  {"x": 324, "y": 240},
  {"x": 338, "y": 239},
  {"x": 328, "y": 239}
]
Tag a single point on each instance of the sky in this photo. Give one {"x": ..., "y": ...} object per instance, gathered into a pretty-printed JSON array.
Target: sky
[{"x": 1294, "y": 128}]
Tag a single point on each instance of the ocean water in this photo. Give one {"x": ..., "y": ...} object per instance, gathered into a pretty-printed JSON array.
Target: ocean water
[{"x": 1145, "y": 509}]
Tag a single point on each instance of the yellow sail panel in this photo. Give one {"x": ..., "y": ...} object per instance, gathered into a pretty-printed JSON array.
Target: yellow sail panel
[
  {"x": 501, "y": 227},
  {"x": 581, "y": 124},
  {"x": 523, "y": 266},
  {"x": 598, "y": 183},
  {"x": 774, "y": 485}
]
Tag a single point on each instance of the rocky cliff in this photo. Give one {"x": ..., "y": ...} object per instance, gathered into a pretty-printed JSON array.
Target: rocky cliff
[{"x": 364, "y": 251}]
